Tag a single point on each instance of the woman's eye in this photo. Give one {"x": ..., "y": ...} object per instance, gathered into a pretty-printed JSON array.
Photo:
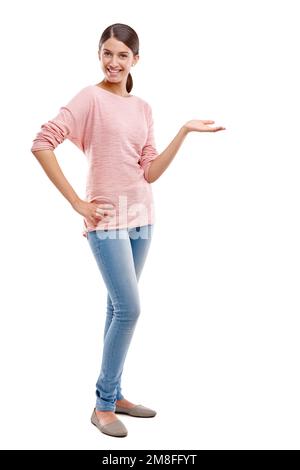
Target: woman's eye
[{"x": 123, "y": 56}]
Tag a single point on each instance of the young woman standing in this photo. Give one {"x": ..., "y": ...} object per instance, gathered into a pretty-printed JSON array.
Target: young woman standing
[{"x": 115, "y": 131}]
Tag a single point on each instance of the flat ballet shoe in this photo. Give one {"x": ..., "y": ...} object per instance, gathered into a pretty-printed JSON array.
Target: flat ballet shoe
[
  {"x": 138, "y": 411},
  {"x": 116, "y": 428}
]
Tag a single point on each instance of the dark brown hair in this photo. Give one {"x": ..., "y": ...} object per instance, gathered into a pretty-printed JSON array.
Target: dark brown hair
[{"x": 125, "y": 34}]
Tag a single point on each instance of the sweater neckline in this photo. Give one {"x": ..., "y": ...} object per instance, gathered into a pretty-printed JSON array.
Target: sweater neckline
[{"x": 111, "y": 93}]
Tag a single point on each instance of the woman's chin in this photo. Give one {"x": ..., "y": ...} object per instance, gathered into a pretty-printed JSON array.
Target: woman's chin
[{"x": 113, "y": 79}]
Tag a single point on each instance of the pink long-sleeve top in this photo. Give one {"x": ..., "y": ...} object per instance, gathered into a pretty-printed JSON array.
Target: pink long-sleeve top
[{"x": 117, "y": 136}]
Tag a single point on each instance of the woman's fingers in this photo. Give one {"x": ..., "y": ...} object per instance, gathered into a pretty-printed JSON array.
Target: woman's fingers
[
  {"x": 218, "y": 129},
  {"x": 104, "y": 209},
  {"x": 99, "y": 212},
  {"x": 103, "y": 213}
]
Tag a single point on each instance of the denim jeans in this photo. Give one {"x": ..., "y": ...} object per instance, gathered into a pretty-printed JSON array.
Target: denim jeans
[{"x": 120, "y": 255}]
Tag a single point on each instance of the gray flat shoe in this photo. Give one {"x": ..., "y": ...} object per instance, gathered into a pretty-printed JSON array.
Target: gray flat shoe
[
  {"x": 139, "y": 411},
  {"x": 116, "y": 428}
]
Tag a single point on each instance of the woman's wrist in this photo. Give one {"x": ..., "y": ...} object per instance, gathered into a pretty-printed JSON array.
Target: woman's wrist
[
  {"x": 75, "y": 202},
  {"x": 185, "y": 129}
]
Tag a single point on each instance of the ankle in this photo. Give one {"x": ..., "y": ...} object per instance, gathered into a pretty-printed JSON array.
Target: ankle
[{"x": 105, "y": 412}]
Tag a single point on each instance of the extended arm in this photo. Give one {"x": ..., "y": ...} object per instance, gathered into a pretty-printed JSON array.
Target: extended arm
[{"x": 163, "y": 160}]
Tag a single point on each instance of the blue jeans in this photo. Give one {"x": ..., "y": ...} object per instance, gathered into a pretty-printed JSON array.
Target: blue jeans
[{"x": 120, "y": 255}]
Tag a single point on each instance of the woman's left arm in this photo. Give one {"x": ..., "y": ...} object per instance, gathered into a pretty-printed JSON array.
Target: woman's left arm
[{"x": 162, "y": 161}]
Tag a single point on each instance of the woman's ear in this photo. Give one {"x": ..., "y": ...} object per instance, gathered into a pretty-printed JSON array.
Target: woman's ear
[{"x": 136, "y": 59}]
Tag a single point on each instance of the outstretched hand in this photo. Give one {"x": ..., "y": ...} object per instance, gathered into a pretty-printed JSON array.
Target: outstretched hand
[{"x": 202, "y": 126}]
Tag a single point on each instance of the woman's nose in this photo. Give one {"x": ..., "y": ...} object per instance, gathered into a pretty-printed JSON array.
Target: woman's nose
[{"x": 114, "y": 63}]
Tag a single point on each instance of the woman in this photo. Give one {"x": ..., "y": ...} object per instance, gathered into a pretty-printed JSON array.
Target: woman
[{"x": 115, "y": 131}]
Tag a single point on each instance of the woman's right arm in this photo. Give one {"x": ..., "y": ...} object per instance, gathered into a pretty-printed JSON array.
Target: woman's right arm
[
  {"x": 48, "y": 161},
  {"x": 92, "y": 211}
]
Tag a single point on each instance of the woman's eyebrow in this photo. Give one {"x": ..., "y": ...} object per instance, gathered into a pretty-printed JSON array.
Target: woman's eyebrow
[{"x": 122, "y": 52}]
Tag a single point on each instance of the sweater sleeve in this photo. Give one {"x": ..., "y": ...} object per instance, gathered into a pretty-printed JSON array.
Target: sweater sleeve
[
  {"x": 69, "y": 123},
  {"x": 149, "y": 152}
]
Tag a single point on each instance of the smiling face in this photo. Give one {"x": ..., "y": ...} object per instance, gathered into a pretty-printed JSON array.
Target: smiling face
[{"x": 116, "y": 60}]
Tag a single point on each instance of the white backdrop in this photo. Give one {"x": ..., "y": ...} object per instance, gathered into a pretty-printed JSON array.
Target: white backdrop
[{"x": 216, "y": 348}]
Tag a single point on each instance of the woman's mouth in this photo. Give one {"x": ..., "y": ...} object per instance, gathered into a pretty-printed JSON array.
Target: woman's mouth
[{"x": 113, "y": 72}]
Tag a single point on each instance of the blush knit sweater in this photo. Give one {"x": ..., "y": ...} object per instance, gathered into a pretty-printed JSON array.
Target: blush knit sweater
[{"x": 116, "y": 135}]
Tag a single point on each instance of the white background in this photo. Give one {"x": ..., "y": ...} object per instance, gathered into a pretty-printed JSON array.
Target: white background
[{"x": 216, "y": 348}]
